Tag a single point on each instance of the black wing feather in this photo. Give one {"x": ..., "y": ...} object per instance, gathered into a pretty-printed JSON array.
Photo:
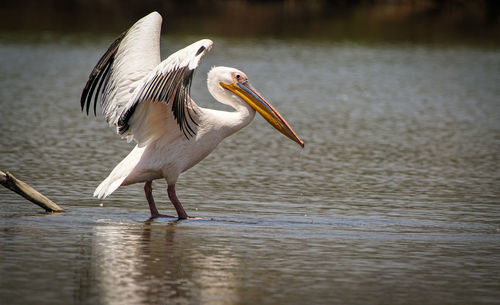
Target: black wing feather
[
  {"x": 172, "y": 87},
  {"x": 99, "y": 75}
]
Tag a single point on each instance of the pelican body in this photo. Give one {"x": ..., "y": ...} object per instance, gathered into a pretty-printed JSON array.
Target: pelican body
[{"x": 147, "y": 101}]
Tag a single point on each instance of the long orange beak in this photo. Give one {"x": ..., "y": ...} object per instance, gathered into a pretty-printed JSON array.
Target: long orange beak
[{"x": 257, "y": 102}]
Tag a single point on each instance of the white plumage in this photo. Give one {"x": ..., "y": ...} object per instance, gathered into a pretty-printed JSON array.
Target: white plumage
[{"x": 148, "y": 101}]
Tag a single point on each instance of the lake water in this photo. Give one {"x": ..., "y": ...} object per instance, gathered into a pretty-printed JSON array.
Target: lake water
[{"x": 394, "y": 200}]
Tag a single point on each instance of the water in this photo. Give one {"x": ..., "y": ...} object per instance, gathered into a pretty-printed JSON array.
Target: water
[{"x": 395, "y": 198}]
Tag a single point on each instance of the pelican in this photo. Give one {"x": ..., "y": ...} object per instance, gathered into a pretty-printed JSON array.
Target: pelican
[{"x": 147, "y": 101}]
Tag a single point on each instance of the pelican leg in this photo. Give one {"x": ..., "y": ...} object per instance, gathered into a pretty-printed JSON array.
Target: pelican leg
[
  {"x": 177, "y": 204},
  {"x": 148, "y": 190}
]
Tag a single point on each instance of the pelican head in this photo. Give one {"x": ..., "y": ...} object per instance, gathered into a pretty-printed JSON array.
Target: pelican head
[{"x": 225, "y": 83}]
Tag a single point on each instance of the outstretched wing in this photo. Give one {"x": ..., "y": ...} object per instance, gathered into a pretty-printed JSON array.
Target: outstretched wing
[
  {"x": 135, "y": 87},
  {"x": 124, "y": 65},
  {"x": 169, "y": 84}
]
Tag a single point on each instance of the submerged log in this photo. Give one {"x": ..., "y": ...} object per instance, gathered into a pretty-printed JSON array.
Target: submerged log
[{"x": 9, "y": 181}]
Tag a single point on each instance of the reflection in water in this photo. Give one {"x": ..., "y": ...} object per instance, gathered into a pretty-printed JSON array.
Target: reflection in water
[{"x": 150, "y": 263}]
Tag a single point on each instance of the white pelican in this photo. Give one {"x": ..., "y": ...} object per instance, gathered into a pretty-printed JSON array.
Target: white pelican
[{"x": 148, "y": 101}]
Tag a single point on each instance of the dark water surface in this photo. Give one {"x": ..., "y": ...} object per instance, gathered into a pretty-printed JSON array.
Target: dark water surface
[{"x": 394, "y": 200}]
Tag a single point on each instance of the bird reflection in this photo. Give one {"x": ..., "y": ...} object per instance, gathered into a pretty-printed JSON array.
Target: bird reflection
[{"x": 153, "y": 263}]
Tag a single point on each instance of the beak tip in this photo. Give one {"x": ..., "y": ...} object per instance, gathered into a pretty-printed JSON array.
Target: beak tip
[{"x": 301, "y": 143}]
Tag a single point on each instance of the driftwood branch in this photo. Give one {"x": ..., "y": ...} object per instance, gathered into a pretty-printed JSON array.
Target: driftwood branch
[{"x": 9, "y": 181}]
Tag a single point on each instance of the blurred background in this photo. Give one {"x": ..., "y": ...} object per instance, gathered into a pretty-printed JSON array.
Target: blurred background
[
  {"x": 395, "y": 198},
  {"x": 422, "y": 21}
]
